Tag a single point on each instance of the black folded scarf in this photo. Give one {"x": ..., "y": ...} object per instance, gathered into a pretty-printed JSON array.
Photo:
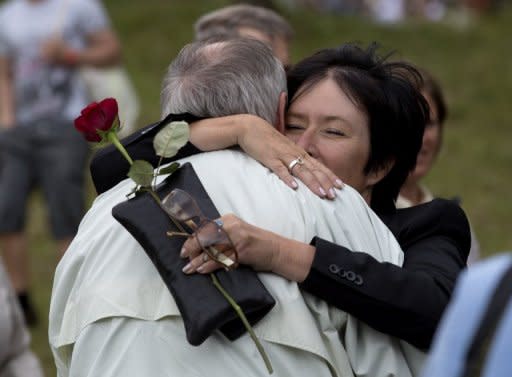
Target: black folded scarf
[{"x": 201, "y": 305}]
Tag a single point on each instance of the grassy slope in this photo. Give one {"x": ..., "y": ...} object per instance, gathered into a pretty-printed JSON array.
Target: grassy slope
[{"x": 473, "y": 64}]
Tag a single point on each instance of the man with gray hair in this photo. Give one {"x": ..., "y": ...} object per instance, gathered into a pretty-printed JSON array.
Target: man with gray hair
[
  {"x": 111, "y": 313},
  {"x": 244, "y": 20},
  {"x": 205, "y": 80},
  {"x": 215, "y": 79}
]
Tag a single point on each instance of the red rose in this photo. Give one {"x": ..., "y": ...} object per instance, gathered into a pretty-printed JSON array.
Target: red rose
[{"x": 97, "y": 117}]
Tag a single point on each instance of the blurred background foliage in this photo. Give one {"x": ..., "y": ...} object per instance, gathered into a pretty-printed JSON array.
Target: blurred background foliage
[{"x": 471, "y": 56}]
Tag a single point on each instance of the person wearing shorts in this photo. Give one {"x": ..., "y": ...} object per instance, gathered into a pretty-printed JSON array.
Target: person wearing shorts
[{"x": 40, "y": 95}]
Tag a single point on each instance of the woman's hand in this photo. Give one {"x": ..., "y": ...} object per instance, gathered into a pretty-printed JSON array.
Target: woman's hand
[
  {"x": 264, "y": 143},
  {"x": 261, "y": 249},
  {"x": 255, "y": 247}
]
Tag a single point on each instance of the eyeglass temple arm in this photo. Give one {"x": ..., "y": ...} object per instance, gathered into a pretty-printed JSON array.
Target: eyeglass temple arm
[
  {"x": 226, "y": 261},
  {"x": 190, "y": 223}
]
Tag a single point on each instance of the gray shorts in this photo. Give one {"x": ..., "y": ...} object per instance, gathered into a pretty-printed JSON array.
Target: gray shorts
[{"x": 48, "y": 155}]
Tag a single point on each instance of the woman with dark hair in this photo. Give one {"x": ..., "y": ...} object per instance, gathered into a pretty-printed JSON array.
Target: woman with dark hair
[
  {"x": 413, "y": 191},
  {"x": 363, "y": 118}
]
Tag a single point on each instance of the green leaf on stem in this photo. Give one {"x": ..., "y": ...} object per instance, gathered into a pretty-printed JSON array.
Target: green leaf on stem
[
  {"x": 169, "y": 169},
  {"x": 141, "y": 172},
  {"x": 171, "y": 138}
]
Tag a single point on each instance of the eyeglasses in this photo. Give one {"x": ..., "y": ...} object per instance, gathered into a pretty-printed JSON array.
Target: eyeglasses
[{"x": 213, "y": 240}]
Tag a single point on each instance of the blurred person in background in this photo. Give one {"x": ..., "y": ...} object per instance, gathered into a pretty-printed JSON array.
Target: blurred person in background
[
  {"x": 474, "y": 338},
  {"x": 40, "y": 94},
  {"x": 413, "y": 192},
  {"x": 387, "y": 11},
  {"x": 479, "y": 6},
  {"x": 337, "y": 6},
  {"x": 244, "y": 20},
  {"x": 392, "y": 11},
  {"x": 16, "y": 359}
]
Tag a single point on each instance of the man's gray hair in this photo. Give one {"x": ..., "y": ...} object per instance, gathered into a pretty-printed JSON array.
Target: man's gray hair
[
  {"x": 224, "y": 78},
  {"x": 225, "y": 23}
]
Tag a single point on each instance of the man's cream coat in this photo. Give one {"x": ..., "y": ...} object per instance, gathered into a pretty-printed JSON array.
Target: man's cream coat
[{"x": 112, "y": 315}]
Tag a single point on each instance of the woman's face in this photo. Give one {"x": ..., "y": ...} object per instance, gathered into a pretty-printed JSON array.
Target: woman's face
[
  {"x": 430, "y": 146},
  {"x": 327, "y": 124}
]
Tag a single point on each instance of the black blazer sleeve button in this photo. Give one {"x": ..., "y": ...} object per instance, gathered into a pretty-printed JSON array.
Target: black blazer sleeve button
[
  {"x": 334, "y": 269},
  {"x": 348, "y": 275}
]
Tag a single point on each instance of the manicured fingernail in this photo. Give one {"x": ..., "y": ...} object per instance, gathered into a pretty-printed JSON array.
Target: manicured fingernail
[
  {"x": 322, "y": 191},
  {"x": 188, "y": 268},
  {"x": 200, "y": 269},
  {"x": 339, "y": 183},
  {"x": 294, "y": 184},
  {"x": 183, "y": 252},
  {"x": 332, "y": 193}
]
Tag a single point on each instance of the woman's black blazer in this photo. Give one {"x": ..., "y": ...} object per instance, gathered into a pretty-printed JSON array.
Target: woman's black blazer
[{"x": 408, "y": 301}]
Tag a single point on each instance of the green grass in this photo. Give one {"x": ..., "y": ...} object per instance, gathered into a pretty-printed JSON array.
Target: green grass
[{"x": 473, "y": 64}]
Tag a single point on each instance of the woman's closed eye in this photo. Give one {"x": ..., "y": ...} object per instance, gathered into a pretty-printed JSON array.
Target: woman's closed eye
[
  {"x": 334, "y": 132},
  {"x": 294, "y": 128}
]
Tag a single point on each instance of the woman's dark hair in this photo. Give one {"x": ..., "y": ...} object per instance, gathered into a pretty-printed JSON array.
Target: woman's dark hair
[
  {"x": 388, "y": 93},
  {"x": 431, "y": 87}
]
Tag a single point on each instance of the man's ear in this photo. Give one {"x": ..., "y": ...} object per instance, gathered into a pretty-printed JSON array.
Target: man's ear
[
  {"x": 375, "y": 176},
  {"x": 281, "y": 109}
]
